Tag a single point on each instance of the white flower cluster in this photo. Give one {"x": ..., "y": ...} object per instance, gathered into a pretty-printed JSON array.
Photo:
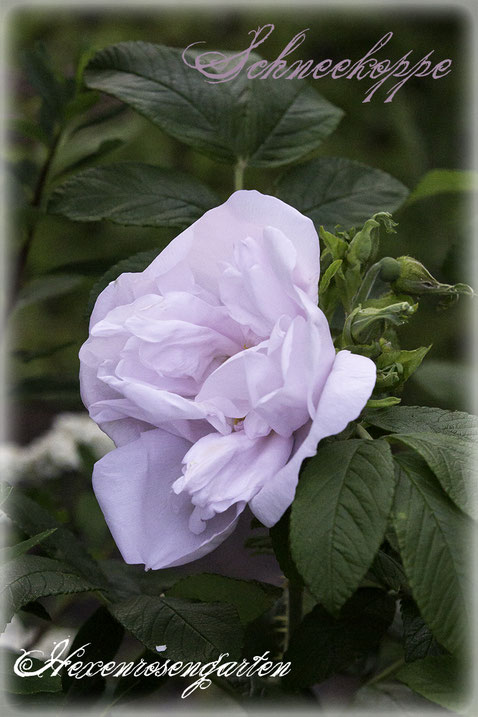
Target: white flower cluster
[{"x": 56, "y": 451}]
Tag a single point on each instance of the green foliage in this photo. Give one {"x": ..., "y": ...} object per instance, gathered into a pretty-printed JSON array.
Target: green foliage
[
  {"x": 339, "y": 516},
  {"x": 263, "y": 124},
  {"x": 440, "y": 679},
  {"x": 336, "y": 191},
  {"x": 190, "y": 630},
  {"x": 345, "y": 531},
  {"x": 432, "y": 535},
  {"x": 30, "y": 577},
  {"x": 249, "y": 598},
  {"x": 417, "y": 638},
  {"x": 15, "y": 551},
  {"x": 323, "y": 645},
  {"x": 447, "y": 442},
  {"x": 133, "y": 194},
  {"x": 32, "y": 519}
]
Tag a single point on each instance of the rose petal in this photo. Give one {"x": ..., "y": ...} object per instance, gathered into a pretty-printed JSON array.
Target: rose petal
[
  {"x": 348, "y": 386},
  {"x": 149, "y": 525}
]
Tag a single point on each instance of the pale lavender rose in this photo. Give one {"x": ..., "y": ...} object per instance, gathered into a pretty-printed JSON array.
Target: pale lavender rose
[{"x": 214, "y": 372}]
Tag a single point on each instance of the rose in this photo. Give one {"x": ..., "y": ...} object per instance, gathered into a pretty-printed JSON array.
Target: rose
[{"x": 214, "y": 372}]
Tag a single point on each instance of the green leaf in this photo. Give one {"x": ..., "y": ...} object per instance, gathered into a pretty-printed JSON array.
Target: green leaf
[
  {"x": 104, "y": 148},
  {"x": 281, "y": 544},
  {"x": 443, "y": 181},
  {"x": 265, "y": 123},
  {"x": 452, "y": 460},
  {"x": 249, "y": 598},
  {"x": 415, "y": 419},
  {"x": 107, "y": 114},
  {"x": 329, "y": 274},
  {"x": 137, "y": 262},
  {"x": 190, "y": 630},
  {"x": 440, "y": 679},
  {"x": 33, "y": 518},
  {"x": 104, "y": 635},
  {"x": 339, "y": 516},
  {"x": 432, "y": 534},
  {"x": 30, "y": 577},
  {"x": 323, "y": 645},
  {"x": 132, "y": 193},
  {"x": 15, "y": 551},
  {"x": 14, "y": 684},
  {"x": 47, "y": 287},
  {"x": 388, "y": 571},
  {"x": 334, "y": 190},
  {"x": 445, "y": 439},
  {"x": 418, "y": 641}
]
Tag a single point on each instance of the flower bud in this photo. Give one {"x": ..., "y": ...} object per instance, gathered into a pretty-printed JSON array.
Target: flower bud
[
  {"x": 414, "y": 278},
  {"x": 389, "y": 269}
]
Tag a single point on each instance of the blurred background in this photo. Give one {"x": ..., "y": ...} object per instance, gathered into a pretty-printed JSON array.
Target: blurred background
[{"x": 425, "y": 127}]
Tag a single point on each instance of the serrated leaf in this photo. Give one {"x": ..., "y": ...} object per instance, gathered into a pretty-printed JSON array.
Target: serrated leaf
[
  {"x": 191, "y": 631},
  {"x": 30, "y": 577},
  {"x": 133, "y": 193},
  {"x": 445, "y": 439},
  {"x": 248, "y": 597},
  {"x": 265, "y": 123},
  {"x": 33, "y": 518},
  {"x": 452, "y": 461},
  {"x": 14, "y": 684},
  {"x": 137, "y": 262},
  {"x": 388, "y": 571},
  {"x": 432, "y": 535},
  {"x": 104, "y": 635},
  {"x": 418, "y": 641},
  {"x": 14, "y": 551},
  {"x": 336, "y": 191},
  {"x": 411, "y": 419},
  {"x": 339, "y": 516},
  {"x": 323, "y": 645},
  {"x": 441, "y": 679}
]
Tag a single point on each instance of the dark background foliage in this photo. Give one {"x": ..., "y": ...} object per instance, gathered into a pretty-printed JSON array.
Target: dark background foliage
[{"x": 426, "y": 126}]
